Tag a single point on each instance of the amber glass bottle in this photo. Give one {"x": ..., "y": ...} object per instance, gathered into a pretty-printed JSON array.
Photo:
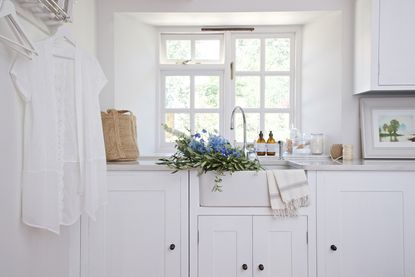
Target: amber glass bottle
[
  {"x": 271, "y": 144},
  {"x": 260, "y": 145}
]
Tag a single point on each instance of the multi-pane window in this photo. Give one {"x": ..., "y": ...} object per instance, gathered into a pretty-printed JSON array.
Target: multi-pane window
[
  {"x": 191, "y": 101},
  {"x": 200, "y": 85},
  {"x": 264, "y": 82},
  {"x": 191, "y": 49}
]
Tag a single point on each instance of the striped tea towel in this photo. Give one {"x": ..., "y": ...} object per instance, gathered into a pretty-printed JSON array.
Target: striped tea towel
[{"x": 288, "y": 191}]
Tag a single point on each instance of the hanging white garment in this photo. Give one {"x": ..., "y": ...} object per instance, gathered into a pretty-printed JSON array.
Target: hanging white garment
[{"x": 64, "y": 172}]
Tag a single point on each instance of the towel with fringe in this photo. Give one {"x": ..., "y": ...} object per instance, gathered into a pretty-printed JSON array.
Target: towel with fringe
[{"x": 288, "y": 191}]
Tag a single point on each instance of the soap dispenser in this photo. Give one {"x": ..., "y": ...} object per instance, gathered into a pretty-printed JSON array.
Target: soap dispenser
[
  {"x": 271, "y": 144},
  {"x": 261, "y": 147}
]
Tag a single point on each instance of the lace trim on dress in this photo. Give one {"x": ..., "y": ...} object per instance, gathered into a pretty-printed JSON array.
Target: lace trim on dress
[{"x": 59, "y": 84}]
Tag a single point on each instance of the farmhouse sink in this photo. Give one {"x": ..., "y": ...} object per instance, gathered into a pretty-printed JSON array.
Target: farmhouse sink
[{"x": 239, "y": 189}]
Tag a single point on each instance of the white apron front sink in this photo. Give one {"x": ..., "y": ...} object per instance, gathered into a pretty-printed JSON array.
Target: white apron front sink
[{"x": 239, "y": 189}]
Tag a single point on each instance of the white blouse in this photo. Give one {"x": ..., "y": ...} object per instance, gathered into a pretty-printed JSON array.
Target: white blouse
[{"x": 64, "y": 171}]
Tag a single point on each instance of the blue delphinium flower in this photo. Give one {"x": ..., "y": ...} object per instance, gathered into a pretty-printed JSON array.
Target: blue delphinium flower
[
  {"x": 217, "y": 143},
  {"x": 221, "y": 145},
  {"x": 197, "y": 146}
]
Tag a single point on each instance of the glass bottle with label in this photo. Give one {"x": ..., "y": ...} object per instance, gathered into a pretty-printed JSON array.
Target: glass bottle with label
[
  {"x": 261, "y": 147},
  {"x": 271, "y": 144}
]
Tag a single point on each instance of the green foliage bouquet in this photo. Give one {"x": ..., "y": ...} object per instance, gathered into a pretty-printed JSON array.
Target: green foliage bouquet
[{"x": 207, "y": 152}]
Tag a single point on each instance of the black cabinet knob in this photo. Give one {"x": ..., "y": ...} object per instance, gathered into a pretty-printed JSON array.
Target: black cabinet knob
[
  {"x": 261, "y": 267},
  {"x": 244, "y": 266},
  {"x": 172, "y": 246},
  {"x": 333, "y": 247}
]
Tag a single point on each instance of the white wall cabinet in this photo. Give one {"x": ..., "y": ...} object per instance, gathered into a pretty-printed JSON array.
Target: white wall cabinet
[
  {"x": 243, "y": 246},
  {"x": 365, "y": 224},
  {"x": 384, "y": 43},
  {"x": 144, "y": 230}
]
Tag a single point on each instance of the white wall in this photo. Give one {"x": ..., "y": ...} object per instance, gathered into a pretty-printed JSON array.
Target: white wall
[
  {"x": 350, "y": 103},
  {"x": 135, "y": 80},
  {"x": 25, "y": 251},
  {"x": 327, "y": 104},
  {"x": 107, "y": 8},
  {"x": 321, "y": 86},
  {"x": 84, "y": 25}
]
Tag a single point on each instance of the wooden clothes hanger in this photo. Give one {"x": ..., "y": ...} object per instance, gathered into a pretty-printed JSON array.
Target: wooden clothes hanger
[{"x": 23, "y": 46}]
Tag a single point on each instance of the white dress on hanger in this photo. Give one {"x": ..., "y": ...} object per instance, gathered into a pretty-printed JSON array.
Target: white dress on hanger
[{"x": 64, "y": 171}]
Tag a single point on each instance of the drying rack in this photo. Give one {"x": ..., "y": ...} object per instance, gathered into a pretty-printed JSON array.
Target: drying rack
[{"x": 52, "y": 13}]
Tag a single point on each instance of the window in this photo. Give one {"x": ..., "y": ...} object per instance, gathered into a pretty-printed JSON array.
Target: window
[
  {"x": 191, "y": 49},
  {"x": 264, "y": 82},
  {"x": 191, "y": 101},
  {"x": 200, "y": 85}
]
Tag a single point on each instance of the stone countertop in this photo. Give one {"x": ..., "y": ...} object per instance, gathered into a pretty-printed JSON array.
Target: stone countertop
[
  {"x": 308, "y": 163},
  {"x": 141, "y": 165},
  {"x": 357, "y": 165}
]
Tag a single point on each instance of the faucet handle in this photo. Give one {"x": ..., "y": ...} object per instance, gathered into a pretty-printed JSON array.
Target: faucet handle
[{"x": 280, "y": 145}]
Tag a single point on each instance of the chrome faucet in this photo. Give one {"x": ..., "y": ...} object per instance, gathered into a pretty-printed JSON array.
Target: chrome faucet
[{"x": 244, "y": 125}]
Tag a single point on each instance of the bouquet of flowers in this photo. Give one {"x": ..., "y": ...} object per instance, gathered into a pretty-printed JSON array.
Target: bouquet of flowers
[{"x": 207, "y": 152}]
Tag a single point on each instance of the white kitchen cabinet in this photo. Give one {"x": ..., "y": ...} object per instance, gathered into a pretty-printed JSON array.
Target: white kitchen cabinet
[
  {"x": 280, "y": 245},
  {"x": 243, "y": 246},
  {"x": 225, "y": 246},
  {"x": 144, "y": 229},
  {"x": 384, "y": 43},
  {"x": 365, "y": 223}
]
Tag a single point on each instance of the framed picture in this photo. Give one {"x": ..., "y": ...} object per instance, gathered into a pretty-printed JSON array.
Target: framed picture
[{"x": 388, "y": 127}]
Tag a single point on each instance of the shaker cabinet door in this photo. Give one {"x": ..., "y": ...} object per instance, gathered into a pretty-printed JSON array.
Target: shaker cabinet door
[
  {"x": 384, "y": 45},
  {"x": 280, "y": 246},
  {"x": 145, "y": 227},
  {"x": 225, "y": 246},
  {"x": 366, "y": 224},
  {"x": 396, "y": 43}
]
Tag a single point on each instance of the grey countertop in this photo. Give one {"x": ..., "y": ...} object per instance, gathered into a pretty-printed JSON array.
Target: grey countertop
[
  {"x": 361, "y": 165},
  {"x": 306, "y": 163}
]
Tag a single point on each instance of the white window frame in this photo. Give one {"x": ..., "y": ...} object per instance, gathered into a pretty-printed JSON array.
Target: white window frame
[
  {"x": 262, "y": 73},
  {"x": 227, "y": 98},
  {"x": 192, "y": 110},
  {"x": 193, "y": 38}
]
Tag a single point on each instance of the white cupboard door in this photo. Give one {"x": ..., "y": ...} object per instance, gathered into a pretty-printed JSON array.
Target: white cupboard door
[
  {"x": 143, "y": 221},
  {"x": 396, "y": 43},
  {"x": 225, "y": 246},
  {"x": 280, "y": 246},
  {"x": 366, "y": 226}
]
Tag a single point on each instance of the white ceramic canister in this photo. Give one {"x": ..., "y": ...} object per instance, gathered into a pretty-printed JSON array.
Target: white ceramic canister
[{"x": 347, "y": 152}]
